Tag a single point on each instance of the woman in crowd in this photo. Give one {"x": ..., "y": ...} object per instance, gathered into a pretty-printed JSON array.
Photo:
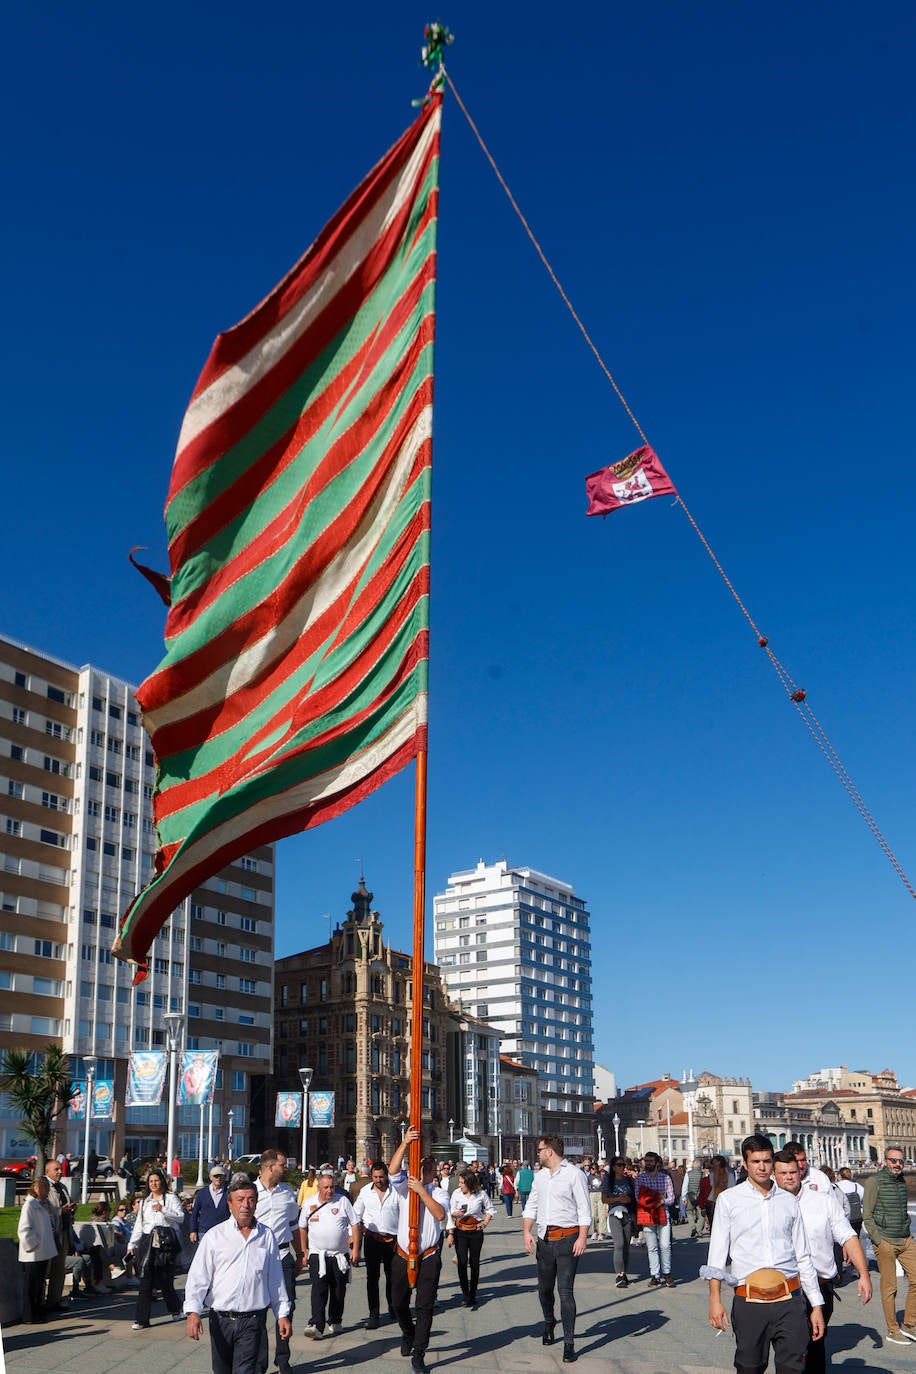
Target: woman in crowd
[
  {"x": 36, "y": 1246},
  {"x": 160, "y": 1211},
  {"x": 597, "y": 1183},
  {"x": 470, "y": 1215},
  {"x": 507, "y": 1188},
  {"x": 621, "y": 1203},
  {"x": 308, "y": 1187}
]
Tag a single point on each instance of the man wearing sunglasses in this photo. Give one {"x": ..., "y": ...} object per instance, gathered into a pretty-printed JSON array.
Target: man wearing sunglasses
[{"x": 887, "y": 1221}]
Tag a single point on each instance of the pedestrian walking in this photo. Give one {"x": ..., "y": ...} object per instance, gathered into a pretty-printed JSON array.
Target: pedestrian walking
[
  {"x": 377, "y": 1212},
  {"x": 329, "y": 1240},
  {"x": 597, "y": 1187},
  {"x": 37, "y": 1246},
  {"x": 155, "y": 1243},
  {"x": 654, "y": 1196},
  {"x": 884, "y": 1209},
  {"x": 470, "y": 1213},
  {"x": 556, "y": 1222},
  {"x": 620, "y": 1200},
  {"x": 524, "y": 1178},
  {"x": 826, "y": 1227},
  {"x": 278, "y": 1210},
  {"x": 434, "y": 1203},
  {"x": 175, "y": 1169},
  {"x": 772, "y": 1272},
  {"x": 507, "y": 1189},
  {"x": 210, "y": 1205},
  {"x": 238, "y": 1265}
]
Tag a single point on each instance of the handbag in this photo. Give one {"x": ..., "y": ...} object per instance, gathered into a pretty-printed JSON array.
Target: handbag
[{"x": 165, "y": 1242}]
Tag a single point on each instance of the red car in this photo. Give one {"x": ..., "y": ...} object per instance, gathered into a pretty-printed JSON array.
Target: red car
[{"x": 17, "y": 1168}]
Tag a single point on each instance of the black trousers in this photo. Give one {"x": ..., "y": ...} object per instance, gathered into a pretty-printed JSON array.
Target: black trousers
[
  {"x": 468, "y": 1245},
  {"x": 378, "y": 1255},
  {"x": 557, "y": 1267},
  {"x": 328, "y": 1292},
  {"x": 235, "y": 1342},
  {"x": 281, "y": 1358},
  {"x": 782, "y": 1325},
  {"x": 34, "y": 1271},
  {"x": 426, "y": 1288},
  {"x": 816, "y": 1358},
  {"x": 158, "y": 1274}
]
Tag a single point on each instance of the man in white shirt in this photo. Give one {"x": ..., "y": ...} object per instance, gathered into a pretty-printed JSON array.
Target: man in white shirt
[
  {"x": 329, "y": 1237},
  {"x": 238, "y": 1265},
  {"x": 377, "y": 1210},
  {"x": 556, "y": 1221},
  {"x": 277, "y": 1208},
  {"x": 809, "y": 1175},
  {"x": 772, "y": 1272},
  {"x": 826, "y": 1225},
  {"x": 433, "y": 1211}
]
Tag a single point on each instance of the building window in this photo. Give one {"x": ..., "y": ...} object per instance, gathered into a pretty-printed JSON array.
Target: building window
[
  {"x": 239, "y": 1080},
  {"x": 323, "y": 990},
  {"x": 303, "y": 994},
  {"x": 15, "y": 789},
  {"x": 246, "y": 1049},
  {"x": 18, "y": 715}
]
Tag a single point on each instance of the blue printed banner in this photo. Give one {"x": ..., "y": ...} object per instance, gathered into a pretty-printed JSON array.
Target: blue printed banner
[
  {"x": 289, "y": 1110},
  {"x": 321, "y": 1109},
  {"x": 145, "y": 1078},
  {"x": 197, "y": 1077},
  {"x": 77, "y": 1109},
  {"x": 102, "y": 1098}
]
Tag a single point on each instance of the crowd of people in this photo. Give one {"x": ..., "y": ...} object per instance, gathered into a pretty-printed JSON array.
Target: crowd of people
[{"x": 788, "y": 1230}]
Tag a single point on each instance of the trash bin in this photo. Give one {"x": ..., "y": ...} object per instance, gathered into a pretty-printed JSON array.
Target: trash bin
[{"x": 7, "y": 1192}]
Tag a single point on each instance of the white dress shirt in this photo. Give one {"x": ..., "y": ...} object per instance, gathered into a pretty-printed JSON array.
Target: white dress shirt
[
  {"x": 559, "y": 1198},
  {"x": 430, "y": 1228},
  {"x": 239, "y": 1273},
  {"x": 277, "y": 1208},
  {"x": 378, "y": 1211},
  {"x": 825, "y": 1222},
  {"x": 817, "y": 1180},
  {"x": 477, "y": 1205},
  {"x": 761, "y": 1231},
  {"x": 148, "y": 1218}
]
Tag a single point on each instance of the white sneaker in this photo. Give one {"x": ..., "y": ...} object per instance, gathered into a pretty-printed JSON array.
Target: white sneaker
[
  {"x": 896, "y": 1338},
  {"x": 909, "y": 1332},
  {"x": 334, "y": 1328},
  {"x": 312, "y": 1332}
]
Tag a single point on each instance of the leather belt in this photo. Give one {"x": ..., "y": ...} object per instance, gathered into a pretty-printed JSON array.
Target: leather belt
[
  {"x": 777, "y": 1293},
  {"x": 381, "y": 1235},
  {"x": 234, "y": 1316},
  {"x": 560, "y": 1232},
  {"x": 432, "y": 1250}
]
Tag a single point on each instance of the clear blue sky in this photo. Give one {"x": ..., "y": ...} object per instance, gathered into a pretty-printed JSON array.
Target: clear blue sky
[{"x": 727, "y": 192}]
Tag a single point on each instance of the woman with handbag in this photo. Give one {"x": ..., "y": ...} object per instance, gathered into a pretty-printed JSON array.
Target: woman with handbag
[
  {"x": 37, "y": 1245},
  {"x": 470, "y": 1215},
  {"x": 155, "y": 1243}
]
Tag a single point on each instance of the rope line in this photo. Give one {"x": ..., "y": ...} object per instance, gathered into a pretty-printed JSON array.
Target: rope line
[{"x": 795, "y": 693}]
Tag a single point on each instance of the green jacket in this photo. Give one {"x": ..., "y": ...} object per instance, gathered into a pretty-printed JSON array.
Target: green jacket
[{"x": 884, "y": 1207}]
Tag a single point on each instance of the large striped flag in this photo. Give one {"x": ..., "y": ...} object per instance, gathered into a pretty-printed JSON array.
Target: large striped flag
[{"x": 295, "y": 676}]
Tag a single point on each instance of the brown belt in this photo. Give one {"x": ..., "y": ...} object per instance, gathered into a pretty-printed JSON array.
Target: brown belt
[
  {"x": 466, "y": 1223},
  {"x": 778, "y": 1293},
  {"x": 381, "y": 1235},
  {"x": 430, "y": 1251},
  {"x": 560, "y": 1232}
]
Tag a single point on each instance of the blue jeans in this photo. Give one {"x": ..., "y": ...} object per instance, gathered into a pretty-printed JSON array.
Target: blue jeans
[{"x": 658, "y": 1244}]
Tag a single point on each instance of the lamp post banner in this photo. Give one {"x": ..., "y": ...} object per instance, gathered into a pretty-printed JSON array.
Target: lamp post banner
[
  {"x": 145, "y": 1078},
  {"x": 77, "y": 1109},
  {"x": 288, "y": 1110},
  {"x": 321, "y": 1110},
  {"x": 196, "y": 1078},
  {"x": 102, "y": 1098}
]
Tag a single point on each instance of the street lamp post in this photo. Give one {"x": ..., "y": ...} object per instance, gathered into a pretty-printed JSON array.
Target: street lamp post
[
  {"x": 451, "y": 1131},
  {"x": 600, "y": 1134},
  {"x": 305, "y": 1078},
  {"x": 230, "y": 1116},
  {"x": 173, "y": 1023},
  {"x": 688, "y": 1089},
  {"x": 90, "y": 1063},
  {"x": 640, "y": 1124},
  {"x": 616, "y": 1125}
]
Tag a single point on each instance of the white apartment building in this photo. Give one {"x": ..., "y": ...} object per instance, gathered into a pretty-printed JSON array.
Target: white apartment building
[
  {"x": 76, "y": 844},
  {"x": 514, "y": 947}
]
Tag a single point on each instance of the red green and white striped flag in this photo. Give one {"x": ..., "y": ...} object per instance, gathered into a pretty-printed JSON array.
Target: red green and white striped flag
[{"x": 295, "y": 676}]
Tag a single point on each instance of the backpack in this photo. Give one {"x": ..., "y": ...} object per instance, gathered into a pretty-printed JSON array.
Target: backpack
[{"x": 855, "y": 1204}]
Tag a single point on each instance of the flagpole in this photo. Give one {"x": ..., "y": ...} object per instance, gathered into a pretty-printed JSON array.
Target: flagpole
[{"x": 416, "y": 1033}]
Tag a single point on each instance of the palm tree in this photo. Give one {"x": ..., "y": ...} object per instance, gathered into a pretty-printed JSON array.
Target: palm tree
[{"x": 39, "y": 1089}]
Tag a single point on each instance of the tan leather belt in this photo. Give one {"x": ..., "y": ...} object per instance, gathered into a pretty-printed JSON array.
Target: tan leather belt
[
  {"x": 768, "y": 1289},
  {"x": 560, "y": 1232},
  {"x": 381, "y": 1235},
  {"x": 430, "y": 1251}
]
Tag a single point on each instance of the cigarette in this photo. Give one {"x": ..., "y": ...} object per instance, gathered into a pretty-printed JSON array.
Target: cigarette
[{"x": 719, "y": 1332}]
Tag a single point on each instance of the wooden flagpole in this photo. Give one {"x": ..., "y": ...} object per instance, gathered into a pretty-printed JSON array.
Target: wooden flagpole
[{"x": 416, "y": 1033}]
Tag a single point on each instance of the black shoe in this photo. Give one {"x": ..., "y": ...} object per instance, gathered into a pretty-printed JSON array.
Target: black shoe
[
  {"x": 622, "y": 1281},
  {"x": 406, "y": 1345},
  {"x": 655, "y": 1283},
  {"x": 418, "y": 1363},
  {"x": 569, "y": 1354},
  {"x": 373, "y": 1323},
  {"x": 669, "y": 1281},
  {"x": 548, "y": 1337}
]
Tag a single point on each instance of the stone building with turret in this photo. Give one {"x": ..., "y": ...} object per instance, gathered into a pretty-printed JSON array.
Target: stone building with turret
[{"x": 345, "y": 1010}]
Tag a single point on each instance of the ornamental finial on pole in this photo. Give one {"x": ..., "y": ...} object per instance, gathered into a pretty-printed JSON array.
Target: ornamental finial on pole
[{"x": 432, "y": 54}]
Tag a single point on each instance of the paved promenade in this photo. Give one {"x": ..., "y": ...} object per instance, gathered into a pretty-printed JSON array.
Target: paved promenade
[{"x": 619, "y": 1331}]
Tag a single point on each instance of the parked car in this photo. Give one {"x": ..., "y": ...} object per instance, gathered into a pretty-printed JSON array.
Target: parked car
[
  {"x": 17, "y": 1168},
  {"x": 247, "y": 1162}
]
